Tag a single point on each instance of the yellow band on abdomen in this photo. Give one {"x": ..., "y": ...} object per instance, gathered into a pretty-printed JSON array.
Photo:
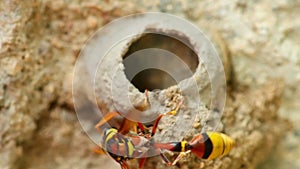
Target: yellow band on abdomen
[{"x": 222, "y": 144}]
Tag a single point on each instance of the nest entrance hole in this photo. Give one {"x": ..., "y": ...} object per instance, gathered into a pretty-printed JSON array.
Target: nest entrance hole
[{"x": 152, "y": 79}]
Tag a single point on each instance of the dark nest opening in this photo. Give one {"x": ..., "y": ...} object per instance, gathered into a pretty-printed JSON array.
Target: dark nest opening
[{"x": 152, "y": 78}]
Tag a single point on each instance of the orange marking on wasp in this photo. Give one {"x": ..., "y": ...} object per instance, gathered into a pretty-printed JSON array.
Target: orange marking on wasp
[{"x": 122, "y": 147}]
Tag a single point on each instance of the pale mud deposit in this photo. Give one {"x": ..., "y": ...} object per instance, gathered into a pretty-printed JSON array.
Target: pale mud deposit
[{"x": 40, "y": 42}]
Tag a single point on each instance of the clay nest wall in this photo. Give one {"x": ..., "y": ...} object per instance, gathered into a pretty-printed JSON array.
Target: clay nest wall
[{"x": 40, "y": 41}]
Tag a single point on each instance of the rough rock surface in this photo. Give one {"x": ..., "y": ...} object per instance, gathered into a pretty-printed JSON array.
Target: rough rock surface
[{"x": 39, "y": 44}]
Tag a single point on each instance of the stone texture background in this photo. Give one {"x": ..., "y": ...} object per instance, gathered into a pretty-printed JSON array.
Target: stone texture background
[{"x": 39, "y": 44}]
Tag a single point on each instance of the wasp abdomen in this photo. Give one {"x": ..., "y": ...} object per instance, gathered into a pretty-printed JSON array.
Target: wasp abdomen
[{"x": 210, "y": 145}]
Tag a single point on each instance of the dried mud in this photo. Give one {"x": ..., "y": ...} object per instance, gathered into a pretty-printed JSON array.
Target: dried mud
[{"x": 40, "y": 42}]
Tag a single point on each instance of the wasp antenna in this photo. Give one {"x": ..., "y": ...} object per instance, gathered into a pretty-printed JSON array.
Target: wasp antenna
[
  {"x": 146, "y": 102},
  {"x": 173, "y": 112}
]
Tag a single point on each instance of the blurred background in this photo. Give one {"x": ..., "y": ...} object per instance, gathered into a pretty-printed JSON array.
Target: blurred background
[{"x": 40, "y": 41}]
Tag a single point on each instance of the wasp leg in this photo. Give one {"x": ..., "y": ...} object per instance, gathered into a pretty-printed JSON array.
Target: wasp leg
[
  {"x": 173, "y": 112},
  {"x": 128, "y": 125},
  {"x": 156, "y": 124},
  {"x": 142, "y": 128},
  {"x": 142, "y": 162},
  {"x": 179, "y": 157},
  {"x": 165, "y": 159},
  {"x": 124, "y": 165},
  {"x": 106, "y": 118}
]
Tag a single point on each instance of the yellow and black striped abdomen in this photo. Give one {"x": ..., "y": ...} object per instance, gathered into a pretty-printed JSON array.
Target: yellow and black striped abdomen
[
  {"x": 221, "y": 144},
  {"x": 210, "y": 145}
]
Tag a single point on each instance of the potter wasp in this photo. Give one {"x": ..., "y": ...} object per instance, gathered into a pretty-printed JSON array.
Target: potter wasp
[{"x": 123, "y": 145}]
